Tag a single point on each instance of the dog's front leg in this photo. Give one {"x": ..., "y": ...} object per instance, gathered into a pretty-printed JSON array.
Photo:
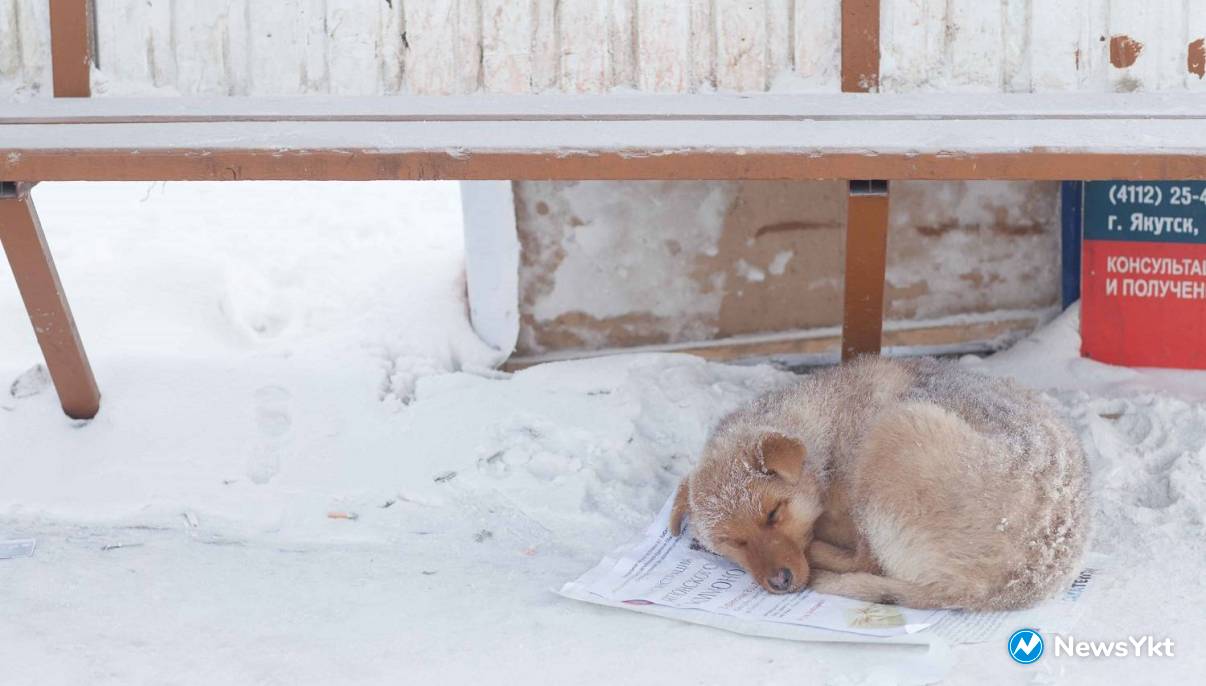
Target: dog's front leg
[{"x": 829, "y": 557}]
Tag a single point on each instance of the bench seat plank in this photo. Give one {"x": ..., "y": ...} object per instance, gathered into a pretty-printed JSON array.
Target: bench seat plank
[
  {"x": 850, "y": 106},
  {"x": 830, "y": 136}
]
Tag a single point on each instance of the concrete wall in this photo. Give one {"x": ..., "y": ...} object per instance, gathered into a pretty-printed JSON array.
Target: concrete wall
[
  {"x": 239, "y": 47},
  {"x": 609, "y": 264}
]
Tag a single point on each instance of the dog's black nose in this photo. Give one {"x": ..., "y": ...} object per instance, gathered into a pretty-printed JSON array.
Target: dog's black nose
[{"x": 781, "y": 581}]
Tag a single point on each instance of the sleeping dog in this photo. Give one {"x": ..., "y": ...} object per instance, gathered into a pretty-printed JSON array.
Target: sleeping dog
[{"x": 911, "y": 482}]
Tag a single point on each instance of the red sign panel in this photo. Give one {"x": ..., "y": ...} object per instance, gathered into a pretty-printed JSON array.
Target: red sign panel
[{"x": 1143, "y": 283}]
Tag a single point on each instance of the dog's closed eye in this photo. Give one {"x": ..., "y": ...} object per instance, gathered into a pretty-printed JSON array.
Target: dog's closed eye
[{"x": 773, "y": 517}]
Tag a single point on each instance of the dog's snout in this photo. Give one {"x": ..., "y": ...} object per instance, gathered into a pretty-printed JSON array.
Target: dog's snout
[{"x": 780, "y": 580}]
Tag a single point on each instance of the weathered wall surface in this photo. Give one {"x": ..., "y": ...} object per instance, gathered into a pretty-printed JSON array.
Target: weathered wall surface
[
  {"x": 240, "y": 47},
  {"x": 1042, "y": 45},
  {"x": 609, "y": 264}
]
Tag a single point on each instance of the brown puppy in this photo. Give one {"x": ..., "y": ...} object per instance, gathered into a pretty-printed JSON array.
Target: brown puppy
[{"x": 915, "y": 482}]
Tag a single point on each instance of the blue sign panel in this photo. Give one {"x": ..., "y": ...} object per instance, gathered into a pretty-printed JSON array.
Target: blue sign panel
[{"x": 1145, "y": 211}]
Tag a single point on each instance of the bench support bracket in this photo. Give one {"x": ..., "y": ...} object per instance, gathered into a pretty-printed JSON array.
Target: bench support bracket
[
  {"x": 38, "y": 280},
  {"x": 866, "y": 255}
]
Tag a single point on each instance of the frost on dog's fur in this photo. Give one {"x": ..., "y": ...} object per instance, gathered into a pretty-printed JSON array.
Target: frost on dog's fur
[
  {"x": 946, "y": 488},
  {"x": 1034, "y": 446}
]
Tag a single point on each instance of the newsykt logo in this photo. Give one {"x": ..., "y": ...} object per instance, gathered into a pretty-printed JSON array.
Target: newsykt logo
[{"x": 1025, "y": 646}]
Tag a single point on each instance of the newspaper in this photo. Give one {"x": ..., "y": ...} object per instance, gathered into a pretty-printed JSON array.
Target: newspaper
[{"x": 675, "y": 577}]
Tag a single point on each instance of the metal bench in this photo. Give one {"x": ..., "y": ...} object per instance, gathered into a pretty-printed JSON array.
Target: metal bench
[
  {"x": 839, "y": 136},
  {"x": 858, "y": 138}
]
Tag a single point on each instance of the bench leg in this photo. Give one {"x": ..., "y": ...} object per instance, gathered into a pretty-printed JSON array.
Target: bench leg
[
  {"x": 38, "y": 281},
  {"x": 866, "y": 255}
]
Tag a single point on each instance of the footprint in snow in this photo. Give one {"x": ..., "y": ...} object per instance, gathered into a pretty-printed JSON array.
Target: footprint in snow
[
  {"x": 274, "y": 422},
  {"x": 255, "y": 303},
  {"x": 31, "y": 382}
]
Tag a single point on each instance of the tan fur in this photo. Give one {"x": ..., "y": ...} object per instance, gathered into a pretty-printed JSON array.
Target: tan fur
[
  {"x": 678, "y": 514},
  {"x": 915, "y": 482}
]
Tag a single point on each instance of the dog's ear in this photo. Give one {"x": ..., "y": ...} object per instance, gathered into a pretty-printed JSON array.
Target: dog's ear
[
  {"x": 680, "y": 510},
  {"x": 782, "y": 456}
]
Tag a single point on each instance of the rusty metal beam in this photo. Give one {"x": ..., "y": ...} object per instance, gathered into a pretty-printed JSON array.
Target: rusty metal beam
[
  {"x": 860, "y": 46},
  {"x": 71, "y": 47},
  {"x": 866, "y": 262},
  {"x": 38, "y": 281},
  {"x": 867, "y": 201},
  {"x": 134, "y": 164}
]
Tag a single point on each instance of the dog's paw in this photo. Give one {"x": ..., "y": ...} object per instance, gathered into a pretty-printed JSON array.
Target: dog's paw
[
  {"x": 823, "y": 581},
  {"x": 850, "y": 585},
  {"x": 859, "y": 585}
]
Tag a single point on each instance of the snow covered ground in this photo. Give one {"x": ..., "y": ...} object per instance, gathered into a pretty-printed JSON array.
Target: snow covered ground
[{"x": 275, "y": 354}]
